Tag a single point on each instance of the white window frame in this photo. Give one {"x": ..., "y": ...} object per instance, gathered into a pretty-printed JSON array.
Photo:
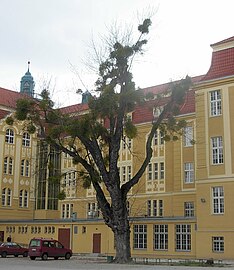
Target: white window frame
[
  {"x": 218, "y": 200},
  {"x": 162, "y": 170},
  {"x": 9, "y": 136},
  {"x": 129, "y": 172},
  {"x": 188, "y": 136},
  {"x": 218, "y": 244},
  {"x": 156, "y": 172},
  {"x": 161, "y": 237},
  {"x": 189, "y": 209},
  {"x": 183, "y": 237},
  {"x": 155, "y": 208},
  {"x": 8, "y": 165},
  {"x": 124, "y": 177},
  {"x": 25, "y": 168},
  {"x": 67, "y": 210},
  {"x": 215, "y": 103},
  {"x": 217, "y": 150},
  {"x": 23, "y": 199},
  {"x": 26, "y": 139},
  {"x": 140, "y": 236},
  {"x": 188, "y": 172},
  {"x": 150, "y": 172}
]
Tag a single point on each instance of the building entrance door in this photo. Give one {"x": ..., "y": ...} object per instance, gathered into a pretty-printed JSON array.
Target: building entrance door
[
  {"x": 96, "y": 243},
  {"x": 64, "y": 237}
]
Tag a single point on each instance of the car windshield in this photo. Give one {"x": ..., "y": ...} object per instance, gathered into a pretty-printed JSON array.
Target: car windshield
[{"x": 35, "y": 243}]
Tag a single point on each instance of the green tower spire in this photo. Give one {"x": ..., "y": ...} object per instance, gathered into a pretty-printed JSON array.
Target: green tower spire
[{"x": 27, "y": 83}]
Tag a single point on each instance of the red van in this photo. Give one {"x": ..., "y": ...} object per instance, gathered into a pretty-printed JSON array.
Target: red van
[{"x": 44, "y": 248}]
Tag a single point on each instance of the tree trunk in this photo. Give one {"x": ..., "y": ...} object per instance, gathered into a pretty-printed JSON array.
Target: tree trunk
[{"x": 122, "y": 242}]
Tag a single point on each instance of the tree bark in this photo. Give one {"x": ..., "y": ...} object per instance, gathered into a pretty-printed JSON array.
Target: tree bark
[{"x": 122, "y": 242}]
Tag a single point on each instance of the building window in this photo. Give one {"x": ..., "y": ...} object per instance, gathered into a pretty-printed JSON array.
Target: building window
[
  {"x": 218, "y": 244},
  {"x": 24, "y": 171},
  {"x": 188, "y": 136},
  {"x": 93, "y": 210},
  {"x": 9, "y": 136},
  {"x": 161, "y": 133},
  {"x": 161, "y": 237},
  {"x": 126, "y": 143},
  {"x": 26, "y": 140},
  {"x": 123, "y": 174},
  {"x": 140, "y": 236},
  {"x": 161, "y": 170},
  {"x": 23, "y": 198},
  {"x": 150, "y": 171},
  {"x": 6, "y": 197},
  {"x": 188, "y": 172},
  {"x": 155, "y": 208},
  {"x": 217, "y": 150},
  {"x": 67, "y": 210},
  {"x": 215, "y": 103},
  {"x": 183, "y": 237},
  {"x": 158, "y": 134},
  {"x": 218, "y": 200},
  {"x": 129, "y": 172},
  {"x": 156, "y": 171},
  {"x": 189, "y": 209},
  {"x": 8, "y": 165}
]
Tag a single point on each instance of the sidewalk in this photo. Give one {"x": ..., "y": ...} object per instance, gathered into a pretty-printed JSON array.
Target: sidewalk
[{"x": 101, "y": 258}]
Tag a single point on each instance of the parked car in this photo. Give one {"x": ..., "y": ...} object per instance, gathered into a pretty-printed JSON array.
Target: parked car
[
  {"x": 44, "y": 248},
  {"x": 12, "y": 248}
]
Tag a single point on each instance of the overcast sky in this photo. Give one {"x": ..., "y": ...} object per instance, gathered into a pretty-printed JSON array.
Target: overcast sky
[{"x": 55, "y": 35}]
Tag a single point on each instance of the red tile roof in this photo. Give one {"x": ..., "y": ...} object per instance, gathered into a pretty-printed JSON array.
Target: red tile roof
[
  {"x": 75, "y": 108},
  {"x": 161, "y": 88},
  {"x": 8, "y": 98},
  {"x": 223, "y": 41},
  {"x": 144, "y": 112},
  {"x": 3, "y": 113},
  {"x": 222, "y": 65},
  {"x": 222, "y": 62}
]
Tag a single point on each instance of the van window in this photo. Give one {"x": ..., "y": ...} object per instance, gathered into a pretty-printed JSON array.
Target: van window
[
  {"x": 35, "y": 243},
  {"x": 45, "y": 244}
]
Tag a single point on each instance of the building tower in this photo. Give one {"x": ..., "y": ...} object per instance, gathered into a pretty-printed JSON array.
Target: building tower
[{"x": 27, "y": 83}]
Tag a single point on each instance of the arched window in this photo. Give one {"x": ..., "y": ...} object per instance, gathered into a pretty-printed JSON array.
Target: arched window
[
  {"x": 9, "y": 136},
  {"x": 24, "y": 169},
  {"x": 23, "y": 198},
  {"x": 9, "y": 195},
  {"x": 5, "y": 170},
  {"x": 8, "y": 165},
  {"x": 26, "y": 139},
  {"x": 6, "y": 197}
]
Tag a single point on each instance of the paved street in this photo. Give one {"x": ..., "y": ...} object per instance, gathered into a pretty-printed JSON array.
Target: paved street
[{"x": 75, "y": 263}]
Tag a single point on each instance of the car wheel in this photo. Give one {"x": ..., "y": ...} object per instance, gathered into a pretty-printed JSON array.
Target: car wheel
[
  {"x": 67, "y": 256},
  {"x": 4, "y": 254},
  {"x": 44, "y": 256},
  {"x": 32, "y": 258},
  {"x": 25, "y": 254}
]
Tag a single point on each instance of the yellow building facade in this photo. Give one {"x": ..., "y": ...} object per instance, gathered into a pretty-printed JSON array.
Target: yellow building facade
[{"x": 182, "y": 205}]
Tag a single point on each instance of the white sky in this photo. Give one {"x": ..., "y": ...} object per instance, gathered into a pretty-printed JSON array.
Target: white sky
[{"x": 54, "y": 33}]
